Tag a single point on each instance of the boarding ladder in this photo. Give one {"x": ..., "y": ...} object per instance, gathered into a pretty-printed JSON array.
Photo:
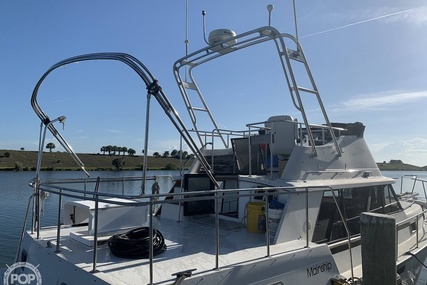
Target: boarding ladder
[{"x": 291, "y": 60}]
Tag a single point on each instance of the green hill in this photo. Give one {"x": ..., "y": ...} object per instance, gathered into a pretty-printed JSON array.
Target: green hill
[
  {"x": 27, "y": 160},
  {"x": 400, "y": 167}
]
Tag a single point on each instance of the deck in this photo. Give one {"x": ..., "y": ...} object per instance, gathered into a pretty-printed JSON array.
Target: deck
[{"x": 190, "y": 245}]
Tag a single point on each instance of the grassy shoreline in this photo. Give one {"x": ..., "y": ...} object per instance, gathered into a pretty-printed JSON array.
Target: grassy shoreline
[{"x": 16, "y": 160}]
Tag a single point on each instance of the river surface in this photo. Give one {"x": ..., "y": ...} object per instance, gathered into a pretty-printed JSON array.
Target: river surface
[{"x": 15, "y": 194}]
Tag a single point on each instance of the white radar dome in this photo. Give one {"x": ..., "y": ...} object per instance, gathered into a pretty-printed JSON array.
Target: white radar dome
[{"x": 220, "y": 35}]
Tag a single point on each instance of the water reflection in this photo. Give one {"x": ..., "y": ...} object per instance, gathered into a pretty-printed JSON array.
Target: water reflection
[{"x": 15, "y": 191}]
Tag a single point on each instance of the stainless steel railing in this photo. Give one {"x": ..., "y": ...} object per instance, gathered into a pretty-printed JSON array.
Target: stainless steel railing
[
  {"x": 67, "y": 188},
  {"x": 62, "y": 189}
]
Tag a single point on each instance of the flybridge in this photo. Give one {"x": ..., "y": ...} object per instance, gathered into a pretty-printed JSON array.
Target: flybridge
[{"x": 221, "y": 43}]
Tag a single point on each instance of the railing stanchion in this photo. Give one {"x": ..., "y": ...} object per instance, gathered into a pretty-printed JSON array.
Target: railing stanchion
[
  {"x": 216, "y": 232},
  {"x": 95, "y": 234},
  {"x": 424, "y": 189},
  {"x": 150, "y": 254},
  {"x": 267, "y": 224},
  {"x": 58, "y": 226},
  {"x": 307, "y": 227},
  {"x": 417, "y": 232}
]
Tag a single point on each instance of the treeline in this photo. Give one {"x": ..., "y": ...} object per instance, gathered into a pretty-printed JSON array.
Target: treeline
[
  {"x": 174, "y": 154},
  {"x": 120, "y": 150},
  {"x": 19, "y": 160},
  {"x": 117, "y": 150}
]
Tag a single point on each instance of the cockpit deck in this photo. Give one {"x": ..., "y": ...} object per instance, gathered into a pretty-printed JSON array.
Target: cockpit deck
[{"x": 190, "y": 245}]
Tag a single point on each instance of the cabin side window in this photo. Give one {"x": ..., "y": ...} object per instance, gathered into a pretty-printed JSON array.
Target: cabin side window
[
  {"x": 352, "y": 202},
  {"x": 391, "y": 203}
]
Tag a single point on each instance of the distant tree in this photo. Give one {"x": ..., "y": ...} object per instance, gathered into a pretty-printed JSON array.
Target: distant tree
[
  {"x": 190, "y": 156},
  {"x": 109, "y": 149},
  {"x": 396, "y": 161},
  {"x": 166, "y": 154},
  {"x": 156, "y": 154},
  {"x": 174, "y": 153},
  {"x": 7, "y": 154},
  {"x": 170, "y": 166},
  {"x": 124, "y": 149},
  {"x": 18, "y": 166},
  {"x": 185, "y": 154},
  {"x": 22, "y": 149},
  {"x": 50, "y": 146},
  {"x": 103, "y": 149},
  {"x": 131, "y": 151},
  {"x": 118, "y": 163}
]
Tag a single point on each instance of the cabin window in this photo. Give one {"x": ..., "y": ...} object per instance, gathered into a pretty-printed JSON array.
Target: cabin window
[
  {"x": 198, "y": 182},
  {"x": 328, "y": 216},
  {"x": 352, "y": 202},
  {"x": 391, "y": 203},
  {"x": 229, "y": 203}
]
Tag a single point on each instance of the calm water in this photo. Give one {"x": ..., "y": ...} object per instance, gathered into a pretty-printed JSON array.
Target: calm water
[{"x": 15, "y": 193}]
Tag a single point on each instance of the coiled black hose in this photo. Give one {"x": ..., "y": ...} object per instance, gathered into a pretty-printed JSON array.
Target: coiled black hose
[{"x": 136, "y": 243}]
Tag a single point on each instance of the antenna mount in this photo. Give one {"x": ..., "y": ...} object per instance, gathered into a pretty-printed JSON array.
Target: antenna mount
[
  {"x": 270, "y": 8},
  {"x": 204, "y": 26}
]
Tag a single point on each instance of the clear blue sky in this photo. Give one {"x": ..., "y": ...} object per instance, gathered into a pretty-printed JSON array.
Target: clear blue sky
[{"x": 369, "y": 60}]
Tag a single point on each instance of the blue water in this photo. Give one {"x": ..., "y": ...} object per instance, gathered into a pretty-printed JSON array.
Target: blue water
[{"x": 15, "y": 193}]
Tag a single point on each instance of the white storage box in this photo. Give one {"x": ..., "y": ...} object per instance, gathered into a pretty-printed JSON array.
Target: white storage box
[{"x": 111, "y": 217}]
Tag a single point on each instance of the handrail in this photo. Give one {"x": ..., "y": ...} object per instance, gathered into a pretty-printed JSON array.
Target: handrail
[
  {"x": 226, "y": 135},
  {"x": 423, "y": 182},
  {"x": 138, "y": 200},
  {"x": 409, "y": 221},
  {"x": 242, "y": 41},
  {"x": 153, "y": 89},
  {"x": 23, "y": 228},
  {"x": 412, "y": 177},
  {"x": 153, "y": 199}
]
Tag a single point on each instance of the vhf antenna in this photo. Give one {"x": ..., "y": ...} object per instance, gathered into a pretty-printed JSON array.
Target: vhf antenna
[
  {"x": 204, "y": 26},
  {"x": 187, "y": 41},
  {"x": 270, "y": 8},
  {"x": 296, "y": 23}
]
